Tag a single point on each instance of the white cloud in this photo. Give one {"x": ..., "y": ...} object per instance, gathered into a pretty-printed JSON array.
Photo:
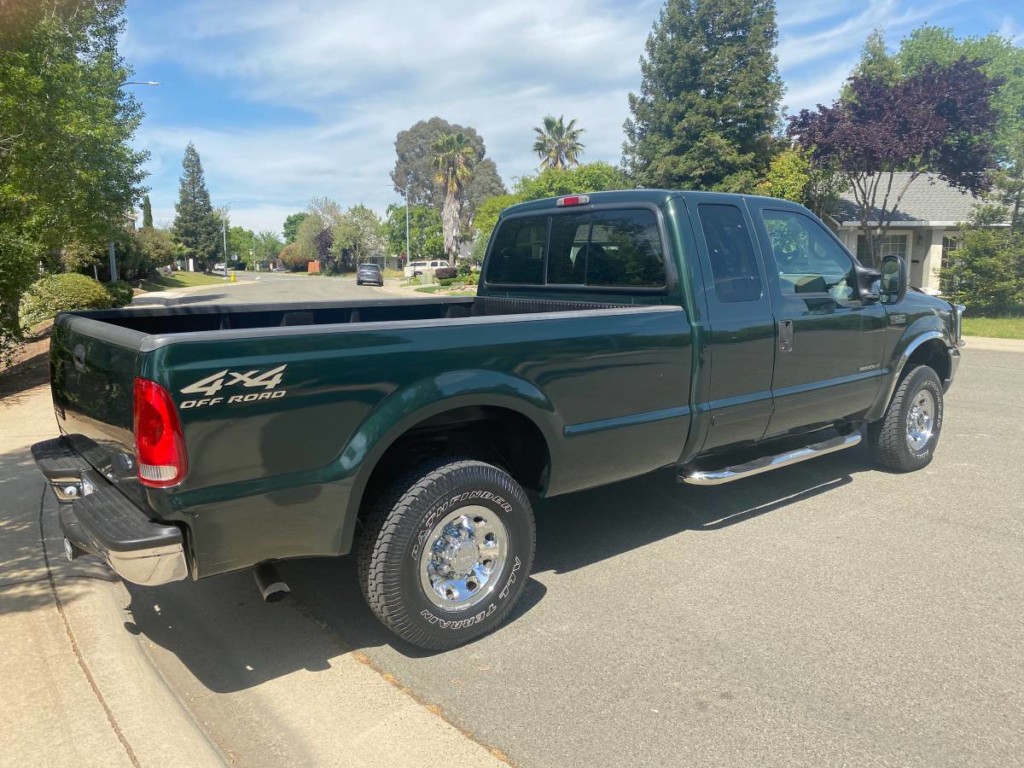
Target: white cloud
[
  {"x": 820, "y": 88},
  {"x": 360, "y": 74},
  {"x": 348, "y": 76},
  {"x": 1011, "y": 30}
]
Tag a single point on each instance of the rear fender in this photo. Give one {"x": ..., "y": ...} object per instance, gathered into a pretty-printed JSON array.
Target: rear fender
[{"x": 411, "y": 405}]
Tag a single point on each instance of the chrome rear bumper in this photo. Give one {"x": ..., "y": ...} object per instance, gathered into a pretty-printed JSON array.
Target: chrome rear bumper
[{"x": 97, "y": 518}]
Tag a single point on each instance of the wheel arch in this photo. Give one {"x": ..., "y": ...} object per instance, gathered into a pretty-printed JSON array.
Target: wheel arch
[
  {"x": 928, "y": 348},
  {"x": 512, "y": 417}
]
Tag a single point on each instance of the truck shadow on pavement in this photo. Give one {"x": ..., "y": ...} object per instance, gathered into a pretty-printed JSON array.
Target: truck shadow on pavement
[
  {"x": 585, "y": 528},
  {"x": 230, "y": 640}
]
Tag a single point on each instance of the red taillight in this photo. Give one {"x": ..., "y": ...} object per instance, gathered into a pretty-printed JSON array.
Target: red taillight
[
  {"x": 159, "y": 442},
  {"x": 565, "y": 202}
]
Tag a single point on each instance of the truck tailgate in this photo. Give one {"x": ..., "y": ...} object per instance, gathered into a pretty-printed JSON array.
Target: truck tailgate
[{"x": 92, "y": 367}]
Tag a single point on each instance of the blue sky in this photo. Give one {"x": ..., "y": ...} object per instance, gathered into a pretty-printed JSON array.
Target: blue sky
[{"x": 286, "y": 101}]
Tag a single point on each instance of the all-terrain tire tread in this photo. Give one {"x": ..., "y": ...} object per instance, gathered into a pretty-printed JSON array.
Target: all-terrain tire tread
[
  {"x": 381, "y": 587},
  {"x": 887, "y": 437}
]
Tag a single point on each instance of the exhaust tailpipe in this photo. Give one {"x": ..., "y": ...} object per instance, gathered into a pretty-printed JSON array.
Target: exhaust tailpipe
[{"x": 269, "y": 583}]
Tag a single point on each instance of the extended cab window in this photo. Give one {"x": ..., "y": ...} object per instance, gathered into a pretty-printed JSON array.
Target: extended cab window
[
  {"x": 517, "y": 254},
  {"x": 733, "y": 264},
  {"x": 601, "y": 249},
  {"x": 808, "y": 259}
]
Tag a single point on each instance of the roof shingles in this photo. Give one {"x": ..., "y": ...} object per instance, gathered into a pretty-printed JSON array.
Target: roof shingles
[{"x": 929, "y": 199}]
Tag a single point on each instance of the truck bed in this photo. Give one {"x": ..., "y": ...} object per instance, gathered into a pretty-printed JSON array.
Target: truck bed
[
  {"x": 286, "y": 408},
  {"x": 212, "y": 317}
]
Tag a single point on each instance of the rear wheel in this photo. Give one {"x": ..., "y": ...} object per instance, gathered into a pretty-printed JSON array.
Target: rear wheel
[
  {"x": 445, "y": 557},
  {"x": 905, "y": 438}
]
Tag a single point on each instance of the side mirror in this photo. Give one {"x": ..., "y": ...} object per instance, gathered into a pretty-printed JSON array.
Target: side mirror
[
  {"x": 869, "y": 284},
  {"x": 894, "y": 279}
]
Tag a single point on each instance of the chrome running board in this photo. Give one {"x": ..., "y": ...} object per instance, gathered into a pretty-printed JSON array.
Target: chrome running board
[{"x": 768, "y": 463}]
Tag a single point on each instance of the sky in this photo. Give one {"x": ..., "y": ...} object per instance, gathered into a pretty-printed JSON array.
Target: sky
[{"x": 286, "y": 101}]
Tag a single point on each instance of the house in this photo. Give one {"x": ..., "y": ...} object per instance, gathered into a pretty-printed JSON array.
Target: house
[{"x": 923, "y": 230}]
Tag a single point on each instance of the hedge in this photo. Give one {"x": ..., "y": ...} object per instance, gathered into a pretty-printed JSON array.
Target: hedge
[{"x": 61, "y": 293}]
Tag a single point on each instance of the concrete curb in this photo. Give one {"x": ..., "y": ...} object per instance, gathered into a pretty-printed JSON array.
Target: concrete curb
[
  {"x": 80, "y": 690},
  {"x": 993, "y": 345}
]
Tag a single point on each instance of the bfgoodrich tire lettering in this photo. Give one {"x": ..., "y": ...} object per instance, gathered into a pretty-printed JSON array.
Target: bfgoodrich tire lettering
[
  {"x": 429, "y": 518},
  {"x": 904, "y": 439}
]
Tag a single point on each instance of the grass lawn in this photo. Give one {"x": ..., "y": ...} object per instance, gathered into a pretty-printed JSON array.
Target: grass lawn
[
  {"x": 994, "y": 327},
  {"x": 179, "y": 280}
]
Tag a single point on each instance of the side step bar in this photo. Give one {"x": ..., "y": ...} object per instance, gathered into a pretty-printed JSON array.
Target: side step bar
[{"x": 768, "y": 463}]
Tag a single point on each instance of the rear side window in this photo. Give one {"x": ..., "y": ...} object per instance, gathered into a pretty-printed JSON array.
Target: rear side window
[
  {"x": 621, "y": 248},
  {"x": 733, "y": 264}
]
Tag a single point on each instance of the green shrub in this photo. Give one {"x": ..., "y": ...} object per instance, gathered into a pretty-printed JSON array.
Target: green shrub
[
  {"x": 61, "y": 293},
  {"x": 444, "y": 273},
  {"x": 121, "y": 293}
]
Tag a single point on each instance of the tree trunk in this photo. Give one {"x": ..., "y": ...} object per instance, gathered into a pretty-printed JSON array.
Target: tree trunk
[
  {"x": 451, "y": 225},
  {"x": 10, "y": 316}
]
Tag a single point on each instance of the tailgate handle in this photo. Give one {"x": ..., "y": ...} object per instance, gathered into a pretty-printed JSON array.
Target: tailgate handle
[{"x": 78, "y": 356}]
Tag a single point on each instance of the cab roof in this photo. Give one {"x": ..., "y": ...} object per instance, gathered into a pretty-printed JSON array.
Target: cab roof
[{"x": 656, "y": 197}]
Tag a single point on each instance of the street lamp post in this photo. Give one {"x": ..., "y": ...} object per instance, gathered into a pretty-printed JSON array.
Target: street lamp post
[{"x": 224, "y": 229}]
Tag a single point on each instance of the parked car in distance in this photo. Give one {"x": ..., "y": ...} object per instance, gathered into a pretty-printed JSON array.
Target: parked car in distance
[
  {"x": 417, "y": 268},
  {"x": 370, "y": 273}
]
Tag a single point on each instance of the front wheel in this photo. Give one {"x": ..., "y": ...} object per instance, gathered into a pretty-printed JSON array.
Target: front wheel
[
  {"x": 905, "y": 438},
  {"x": 445, "y": 557}
]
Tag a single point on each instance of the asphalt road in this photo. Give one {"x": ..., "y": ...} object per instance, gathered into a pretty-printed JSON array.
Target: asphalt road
[
  {"x": 269, "y": 287},
  {"x": 824, "y": 614}
]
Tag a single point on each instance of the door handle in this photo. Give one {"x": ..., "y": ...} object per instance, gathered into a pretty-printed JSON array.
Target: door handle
[{"x": 785, "y": 335}]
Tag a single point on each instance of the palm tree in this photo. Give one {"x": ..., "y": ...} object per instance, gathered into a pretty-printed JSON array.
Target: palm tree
[
  {"x": 558, "y": 145},
  {"x": 454, "y": 156}
]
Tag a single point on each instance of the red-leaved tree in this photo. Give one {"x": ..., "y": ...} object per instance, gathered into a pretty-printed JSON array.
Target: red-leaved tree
[{"x": 938, "y": 121}]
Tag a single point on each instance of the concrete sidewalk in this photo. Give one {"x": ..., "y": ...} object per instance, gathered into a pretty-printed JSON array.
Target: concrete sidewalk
[
  {"x": 85, "y": 685},
  {"x": 79, "y": 689}
]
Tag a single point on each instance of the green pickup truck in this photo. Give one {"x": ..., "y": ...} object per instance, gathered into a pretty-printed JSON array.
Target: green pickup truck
[{"x": 613, "y": 334}]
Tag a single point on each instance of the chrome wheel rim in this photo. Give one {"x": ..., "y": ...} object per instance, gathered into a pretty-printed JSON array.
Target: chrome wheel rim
[
  {"x": 462, "y": 558},
  {"x": 921, "y": 420}
]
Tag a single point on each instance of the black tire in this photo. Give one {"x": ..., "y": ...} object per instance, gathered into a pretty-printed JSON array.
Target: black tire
[
  {"x": 889, "y": 438},
  {"x": 392, "y": 552}
]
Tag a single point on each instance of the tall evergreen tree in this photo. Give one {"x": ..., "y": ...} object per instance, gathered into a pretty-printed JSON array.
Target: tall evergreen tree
[
  {"x": 147, "y": 213},
  {"x": 196, "y": 226},
  {"x": 709, "y": 97}
]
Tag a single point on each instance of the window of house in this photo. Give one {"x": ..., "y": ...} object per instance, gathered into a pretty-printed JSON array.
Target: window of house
[
  {"x": 890, "y": 244},
  {"x": 950, "y": 245},
  {"x": 733, "y": 264},
  {"x": 808, "y": 259}
]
